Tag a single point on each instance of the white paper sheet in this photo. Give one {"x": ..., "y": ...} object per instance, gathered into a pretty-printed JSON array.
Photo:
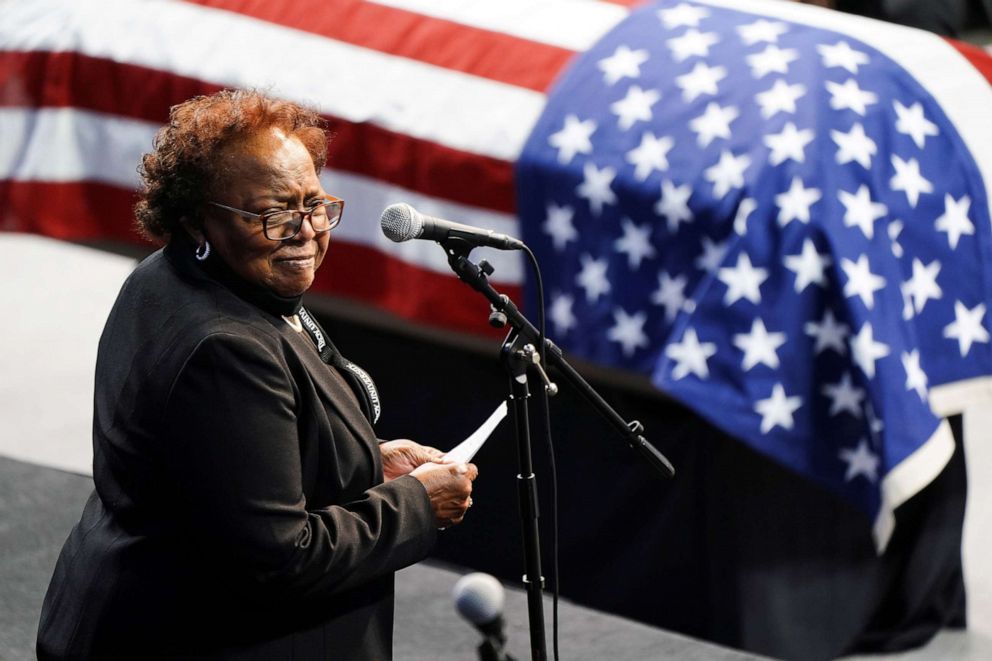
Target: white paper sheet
[{"x": 464, "y": 451}]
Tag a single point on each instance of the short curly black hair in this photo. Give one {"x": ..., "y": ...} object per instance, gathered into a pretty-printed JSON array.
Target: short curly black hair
[{"x": 179, "y": 173}]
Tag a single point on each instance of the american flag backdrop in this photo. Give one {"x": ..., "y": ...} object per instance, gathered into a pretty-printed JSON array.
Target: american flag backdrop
[{"x": 777, "y": 212}]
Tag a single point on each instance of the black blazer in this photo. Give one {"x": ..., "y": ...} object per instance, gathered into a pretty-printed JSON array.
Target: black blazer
[{"x": 239, "y": 510}]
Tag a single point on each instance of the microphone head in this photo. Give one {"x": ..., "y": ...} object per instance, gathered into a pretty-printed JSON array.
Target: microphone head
[
  {"x": 478, "y": 598},
  {"x": 401, "y": 222}
]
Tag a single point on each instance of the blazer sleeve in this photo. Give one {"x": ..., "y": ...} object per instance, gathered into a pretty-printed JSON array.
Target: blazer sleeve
[{"x": 232, "y": 430}]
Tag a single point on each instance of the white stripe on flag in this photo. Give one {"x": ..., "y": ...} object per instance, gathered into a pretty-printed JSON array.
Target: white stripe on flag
[
  {"x": 563, "y": 23},
  {"x": 65, "y": 144},
  {"x": 448, "y": 107}
]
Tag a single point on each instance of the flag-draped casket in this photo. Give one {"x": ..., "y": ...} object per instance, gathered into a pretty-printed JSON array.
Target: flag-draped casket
[{"x": 778, "y": 213}]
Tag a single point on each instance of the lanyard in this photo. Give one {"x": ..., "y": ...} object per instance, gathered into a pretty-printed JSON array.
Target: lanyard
[{"x": 359, "y": 380}]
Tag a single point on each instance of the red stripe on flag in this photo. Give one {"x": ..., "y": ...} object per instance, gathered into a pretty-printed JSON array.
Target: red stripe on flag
[
  {"x": 978, "y": 57},
  {"x": 88, "y": 211},
  {"x": 72, "y": 211},
  {"x": 45, "y": 79},
  {"x": 484, "y": 53},
  {"x": 427, "y": 297}
]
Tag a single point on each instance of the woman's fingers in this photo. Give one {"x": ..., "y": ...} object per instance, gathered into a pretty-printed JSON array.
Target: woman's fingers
[{"x": 449, "y": 487}]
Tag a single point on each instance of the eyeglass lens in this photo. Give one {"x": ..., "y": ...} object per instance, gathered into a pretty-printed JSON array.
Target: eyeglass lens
[{"x": 284, "y": 225}]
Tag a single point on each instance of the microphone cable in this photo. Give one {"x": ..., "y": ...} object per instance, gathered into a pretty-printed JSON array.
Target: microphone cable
[{"x": 549, "y": 442}]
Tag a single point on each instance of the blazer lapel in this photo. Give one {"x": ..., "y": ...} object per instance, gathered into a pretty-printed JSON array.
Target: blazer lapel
[{"x": 338, "y": 393}]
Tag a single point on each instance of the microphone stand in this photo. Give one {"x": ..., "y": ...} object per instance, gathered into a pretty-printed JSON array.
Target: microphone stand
[
  {"x": 518, "y": 355},
  {"x": 491, "y": 649}
]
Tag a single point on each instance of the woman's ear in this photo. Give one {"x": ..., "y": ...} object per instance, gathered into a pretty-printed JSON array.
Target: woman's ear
[{"x": 194, "y": 229}]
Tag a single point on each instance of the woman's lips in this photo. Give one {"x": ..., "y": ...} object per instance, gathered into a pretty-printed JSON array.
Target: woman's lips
[{"x": 296, "y": 262}]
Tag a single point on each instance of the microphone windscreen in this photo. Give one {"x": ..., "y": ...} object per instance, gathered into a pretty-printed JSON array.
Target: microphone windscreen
[
  {"x": 401, "y": 222},
  {"x": 478, "y": 597}
]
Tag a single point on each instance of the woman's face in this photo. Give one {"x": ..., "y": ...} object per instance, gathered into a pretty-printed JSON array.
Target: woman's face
[{"x": 270, "y": 172}]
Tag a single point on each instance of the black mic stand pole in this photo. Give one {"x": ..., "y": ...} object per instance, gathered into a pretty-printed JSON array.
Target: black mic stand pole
[{"x": 518, "y": 354}]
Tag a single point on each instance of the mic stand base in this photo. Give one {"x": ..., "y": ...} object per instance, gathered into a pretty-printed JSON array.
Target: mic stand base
[{"x": 492, "y": 650}]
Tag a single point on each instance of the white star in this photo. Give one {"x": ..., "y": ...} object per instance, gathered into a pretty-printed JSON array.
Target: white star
[
  {"x": 777, "y": 410},
  {"x": 742, "y": 280},
  {"x": 861, "y": 211},
  {"x": 967, "y": 327},
  {"x": 744, "y": 210},
  {"x": 794, "y": 204},
  {"x": 860, "y": 461},
  {"x": 781, "y": 97},
  {"x": 683, "y": 14},
  {"x": 628, "y": 330},
  {"x": 808, "y": 266},
  {"x": 842, "y": 55},
  {"x": 923, "y": 285},
  {"x": 913, "y": 123},
  {"x": 559, "y": 225},
  {"x": 909, "y": 180},
  {"x": 761, "y": 30},
  {"x": 865, "y": 351},
  {"x": 674, "y": 204},
  {"x": 854, "y": 146},
  {"x": 702, "y": 79},
  {"x": 844, "y": 396},
  {"x": 712, "y": 255},
  {"x": 759, "y": 346},
  {"x": 592, "y": 277},
  {"x": 850, "y": 96},
  {"x": 573, "y": 138},
  {"x": 561, "y": 313},
  {"x": 875, "y": 424},
  {"x": 634, "y": 107},
  {"x": 771, "y": 60},
  {"x": 595, "y": 187},
  {"x": 829, "y": 333},
  {"x": 692, "y": 43},
  {"x": 861, "y": 281},
  {"x": 728, "y": 173},
  {"x": 790, "y": 143},
  {"x": 907, "y": 301},
  {"x": 916, "y": 378},
  {"x": 635, "y": 243},
  {"x": 650, "y": 155},
  {"x": 624, "y": 63},
  {"x": 713, "y": 123},
  {"x": 690, "y": 356},
  {"x": 894, "y": 230},
  {"x": 954, "y": 220},
  {"x": 670, "y": 293}
]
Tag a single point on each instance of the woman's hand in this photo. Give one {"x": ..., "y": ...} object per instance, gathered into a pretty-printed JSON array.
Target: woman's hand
[
  {"x": 402, "y": 456},
  {"x": 449, "y": 487}
]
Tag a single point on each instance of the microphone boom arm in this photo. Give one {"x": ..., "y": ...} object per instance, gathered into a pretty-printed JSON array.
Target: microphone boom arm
[{"x": 475, "y": 276}]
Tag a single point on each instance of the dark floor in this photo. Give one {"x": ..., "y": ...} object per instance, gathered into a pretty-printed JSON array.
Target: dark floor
[{"x": 39, "y": 505}]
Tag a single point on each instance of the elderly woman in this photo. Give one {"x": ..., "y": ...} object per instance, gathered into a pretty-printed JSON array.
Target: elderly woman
[{"x": 244, "y": 507}]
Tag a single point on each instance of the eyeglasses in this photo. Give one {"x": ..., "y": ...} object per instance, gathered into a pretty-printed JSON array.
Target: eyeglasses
[{"x": 284, "y": 225}]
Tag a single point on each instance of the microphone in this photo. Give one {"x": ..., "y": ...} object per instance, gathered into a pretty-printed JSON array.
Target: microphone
[
  {"x": 479, "y": 599},
  {"x": 401, "y": 222}
]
